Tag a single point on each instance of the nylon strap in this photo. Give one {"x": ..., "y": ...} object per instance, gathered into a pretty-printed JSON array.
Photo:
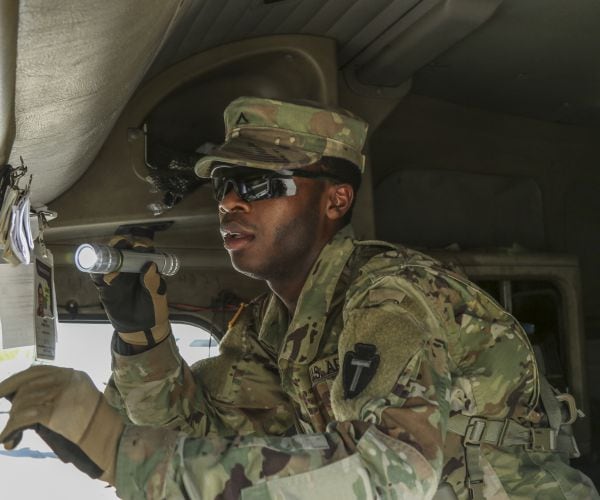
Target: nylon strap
[
  {"x": 551, "y": 406},
  {"x": 474, "y": 471},
  {"x": 565, "y": 441},
  {"x": 477, "y": 430}
]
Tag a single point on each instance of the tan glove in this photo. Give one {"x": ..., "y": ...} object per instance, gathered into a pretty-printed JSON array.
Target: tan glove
[
  {"x": 136, "y": 304},
  {"x": 69, "y": 413}
]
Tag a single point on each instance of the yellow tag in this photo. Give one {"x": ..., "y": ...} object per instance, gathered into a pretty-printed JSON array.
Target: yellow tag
[{"x": 236, "y": 315}]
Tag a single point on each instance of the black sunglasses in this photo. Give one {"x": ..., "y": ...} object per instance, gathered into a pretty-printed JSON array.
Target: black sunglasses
[{"x": 252, "y": 184}]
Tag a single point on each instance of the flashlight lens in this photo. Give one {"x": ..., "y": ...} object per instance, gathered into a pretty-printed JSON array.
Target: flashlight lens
[{"x": 86, "y": 258}]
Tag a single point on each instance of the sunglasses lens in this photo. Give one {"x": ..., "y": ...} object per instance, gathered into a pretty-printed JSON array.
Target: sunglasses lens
[
  {"x": 221, "y": 187},
  {"x": 251, "y": 184},
  {"x": 254, "y": 189}
]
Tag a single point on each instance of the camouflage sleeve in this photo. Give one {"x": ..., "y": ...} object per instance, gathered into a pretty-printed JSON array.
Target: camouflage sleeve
[
  {"x": 155, "y": 387},
  {"x": 236, "y": 392},
  {"x": 387, "y": 440}
]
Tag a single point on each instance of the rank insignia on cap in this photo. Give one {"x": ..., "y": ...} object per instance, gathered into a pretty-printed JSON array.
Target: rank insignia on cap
[
  {"x": 242, "y": 120},
  {"x": 359, "y": 369}
]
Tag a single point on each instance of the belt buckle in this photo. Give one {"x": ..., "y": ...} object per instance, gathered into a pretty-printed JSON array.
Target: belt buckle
[
  {"x": 474, "y": 431},
  {"x": 542, "y": 439}
]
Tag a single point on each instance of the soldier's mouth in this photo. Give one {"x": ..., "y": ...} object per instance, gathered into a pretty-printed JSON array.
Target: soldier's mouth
[
  {"x": 235, "y": 236},
  {"x": 236, "y": 241}
]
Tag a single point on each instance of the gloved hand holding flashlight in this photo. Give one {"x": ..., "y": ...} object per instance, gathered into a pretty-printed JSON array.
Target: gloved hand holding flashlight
[{"x": 136, "y": 302}]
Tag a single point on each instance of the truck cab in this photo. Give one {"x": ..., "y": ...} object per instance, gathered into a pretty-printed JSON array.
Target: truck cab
[{"x": 482, "y": 151}]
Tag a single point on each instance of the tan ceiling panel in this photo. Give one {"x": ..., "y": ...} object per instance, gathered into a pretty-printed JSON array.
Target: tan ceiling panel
[{"x": 353, "y": 23}]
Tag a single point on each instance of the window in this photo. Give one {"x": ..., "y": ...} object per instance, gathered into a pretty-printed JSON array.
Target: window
[{"x": 33, "y": 470}]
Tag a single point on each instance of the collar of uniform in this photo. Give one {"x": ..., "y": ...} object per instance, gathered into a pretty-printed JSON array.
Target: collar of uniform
[{"x": 303, "y": 335}]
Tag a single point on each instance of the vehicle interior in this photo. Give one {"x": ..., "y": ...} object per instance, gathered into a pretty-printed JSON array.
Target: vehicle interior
[{"x": 483, "y": 146}]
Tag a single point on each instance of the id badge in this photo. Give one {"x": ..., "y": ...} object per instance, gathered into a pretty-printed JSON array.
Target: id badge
[{"x": 45, "y": 313}]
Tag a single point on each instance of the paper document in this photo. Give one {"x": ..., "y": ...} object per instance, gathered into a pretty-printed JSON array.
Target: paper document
[
  {"x": 28, "y": 305},
  {"x": 16, "y": 240}
]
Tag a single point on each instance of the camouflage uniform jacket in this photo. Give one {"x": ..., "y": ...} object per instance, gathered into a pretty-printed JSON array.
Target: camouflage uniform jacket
[{"x": 276, "y": 415}]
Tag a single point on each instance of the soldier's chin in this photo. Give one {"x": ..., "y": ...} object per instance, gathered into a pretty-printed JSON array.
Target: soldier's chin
[{"x": 242, "y": 266}]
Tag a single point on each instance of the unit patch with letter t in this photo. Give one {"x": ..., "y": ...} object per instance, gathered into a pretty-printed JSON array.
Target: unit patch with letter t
[{"x": 359, "y": 369}]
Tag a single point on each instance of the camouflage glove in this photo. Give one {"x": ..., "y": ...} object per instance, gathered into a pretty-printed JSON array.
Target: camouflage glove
[
  {"x": 136, "y": 304},
  {"x": 69, "y": 413}
]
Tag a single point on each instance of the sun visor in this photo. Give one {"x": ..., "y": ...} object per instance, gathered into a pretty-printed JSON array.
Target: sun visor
[{"x": 78, "y": 63}]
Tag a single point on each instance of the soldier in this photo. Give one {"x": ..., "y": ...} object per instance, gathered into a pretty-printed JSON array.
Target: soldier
[{"x": 370, "y": 370}]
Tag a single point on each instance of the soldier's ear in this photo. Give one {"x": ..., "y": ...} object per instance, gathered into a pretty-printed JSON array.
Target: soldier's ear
[{"x": 339, "y": 200}]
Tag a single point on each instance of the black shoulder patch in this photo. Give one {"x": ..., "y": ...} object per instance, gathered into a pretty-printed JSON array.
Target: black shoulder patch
[
  {"x": 242, "y": 120},
  {"x": 359, "y": 369}
]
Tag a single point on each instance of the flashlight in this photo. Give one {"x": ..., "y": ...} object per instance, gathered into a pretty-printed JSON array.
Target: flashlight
[{"x": 104, "y": 259}]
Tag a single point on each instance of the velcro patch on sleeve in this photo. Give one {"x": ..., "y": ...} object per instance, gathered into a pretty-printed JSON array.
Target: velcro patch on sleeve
[{"x": 396, "y": 334}]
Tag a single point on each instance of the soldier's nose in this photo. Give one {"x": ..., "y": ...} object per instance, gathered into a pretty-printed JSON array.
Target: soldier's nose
[{"x": 231, "y": 202}]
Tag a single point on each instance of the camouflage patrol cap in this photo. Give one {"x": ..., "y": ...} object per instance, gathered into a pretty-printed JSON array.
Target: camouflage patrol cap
[{"x": 274, "y": 135}]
